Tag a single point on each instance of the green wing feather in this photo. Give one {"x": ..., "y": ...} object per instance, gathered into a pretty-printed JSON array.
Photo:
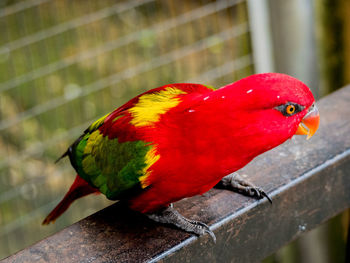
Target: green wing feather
[{"x": 108, "y": 165}]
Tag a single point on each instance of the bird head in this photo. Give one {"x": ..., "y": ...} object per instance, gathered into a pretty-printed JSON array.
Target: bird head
[{"x": 271, "y": 108}]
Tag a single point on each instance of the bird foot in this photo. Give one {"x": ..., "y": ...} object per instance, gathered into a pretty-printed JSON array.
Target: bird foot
[
  {"x": 170, "y": 216},
  {"x": 236, "y": 183}
]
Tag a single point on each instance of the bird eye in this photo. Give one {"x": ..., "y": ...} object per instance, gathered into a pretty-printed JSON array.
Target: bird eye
[{"x": 290, "y": 109}]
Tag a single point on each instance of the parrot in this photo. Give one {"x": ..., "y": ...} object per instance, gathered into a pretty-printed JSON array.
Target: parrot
[{"x": 180, "y": 140}]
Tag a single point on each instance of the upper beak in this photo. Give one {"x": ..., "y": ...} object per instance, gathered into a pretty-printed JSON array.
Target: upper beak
[{"x": 309, "y": 124}]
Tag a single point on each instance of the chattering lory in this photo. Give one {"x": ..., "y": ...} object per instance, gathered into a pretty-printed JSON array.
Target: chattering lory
[{"x": 181, "y": 140}]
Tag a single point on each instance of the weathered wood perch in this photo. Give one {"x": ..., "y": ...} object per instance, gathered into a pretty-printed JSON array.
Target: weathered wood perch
[{"x": 308, "y": 181}]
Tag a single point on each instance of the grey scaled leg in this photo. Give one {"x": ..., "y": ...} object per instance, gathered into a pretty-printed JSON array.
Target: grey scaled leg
[
  {"x": 170, "y": 216},
  {"x": 236, "y": 183}
]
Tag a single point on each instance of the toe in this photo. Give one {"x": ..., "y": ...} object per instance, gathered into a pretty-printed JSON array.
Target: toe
[{"x": 257, "y": 192}]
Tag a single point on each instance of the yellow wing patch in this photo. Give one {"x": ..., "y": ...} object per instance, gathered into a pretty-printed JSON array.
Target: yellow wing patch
[
  {"x": 97, "y": 123},
  {"x": 94, "y": 139},
  {"x": 149, "y": 107},
  {"x": 150, "y": 158},
  {"x": 88, "y": 162}
]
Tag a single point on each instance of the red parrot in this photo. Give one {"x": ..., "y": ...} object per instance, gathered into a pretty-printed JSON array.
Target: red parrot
[{"x": 181, "y": 140}]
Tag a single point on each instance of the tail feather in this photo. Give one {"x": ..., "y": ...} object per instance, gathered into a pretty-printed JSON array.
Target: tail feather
[
  {"x": 78, "y": 189},
  {"x": 66, "y": 153}
]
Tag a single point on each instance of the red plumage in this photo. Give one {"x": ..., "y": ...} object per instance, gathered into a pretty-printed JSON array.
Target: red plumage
[
  {"x": 209, "y": 136},
  {"x": 206, "y": 136}
]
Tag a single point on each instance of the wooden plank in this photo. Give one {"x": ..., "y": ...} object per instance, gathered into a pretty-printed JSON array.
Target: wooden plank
[{"x": 307, "y": 180}]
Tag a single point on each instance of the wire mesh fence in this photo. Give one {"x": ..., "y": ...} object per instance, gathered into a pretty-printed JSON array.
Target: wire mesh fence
[{"x": 65, "y": 63}]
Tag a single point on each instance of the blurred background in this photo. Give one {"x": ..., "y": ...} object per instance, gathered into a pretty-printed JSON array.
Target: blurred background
[{"x": 64, "y": 63}]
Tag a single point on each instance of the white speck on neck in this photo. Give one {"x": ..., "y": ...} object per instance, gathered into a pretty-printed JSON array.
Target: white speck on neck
[
  {"x": 223, "y": 97},
  {"x": 278, "y": 97},
  {"x": 249, "y": 91},
  {"x": 206, "y": 98},
  {"x": 190, "y": 110}
]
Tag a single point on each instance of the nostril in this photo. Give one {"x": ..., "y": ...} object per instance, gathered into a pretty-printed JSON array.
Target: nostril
[{"x": 311, "y": 107}]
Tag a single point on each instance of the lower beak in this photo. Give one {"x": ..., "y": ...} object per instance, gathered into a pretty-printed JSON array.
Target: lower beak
[{"x": 309, "y": 124}]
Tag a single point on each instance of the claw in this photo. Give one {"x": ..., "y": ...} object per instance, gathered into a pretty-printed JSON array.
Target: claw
[
  {"x": 212, "y": 235},
  {"x": 266, "y": 195},
  {"x": 207, "y": 230}
]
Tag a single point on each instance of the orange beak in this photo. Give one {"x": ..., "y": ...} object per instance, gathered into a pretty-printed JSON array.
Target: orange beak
[{"x": 309, "y": 124}]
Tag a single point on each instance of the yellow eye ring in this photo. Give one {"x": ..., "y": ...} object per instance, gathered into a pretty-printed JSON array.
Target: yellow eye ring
[{"x": 290, "y": 109}]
